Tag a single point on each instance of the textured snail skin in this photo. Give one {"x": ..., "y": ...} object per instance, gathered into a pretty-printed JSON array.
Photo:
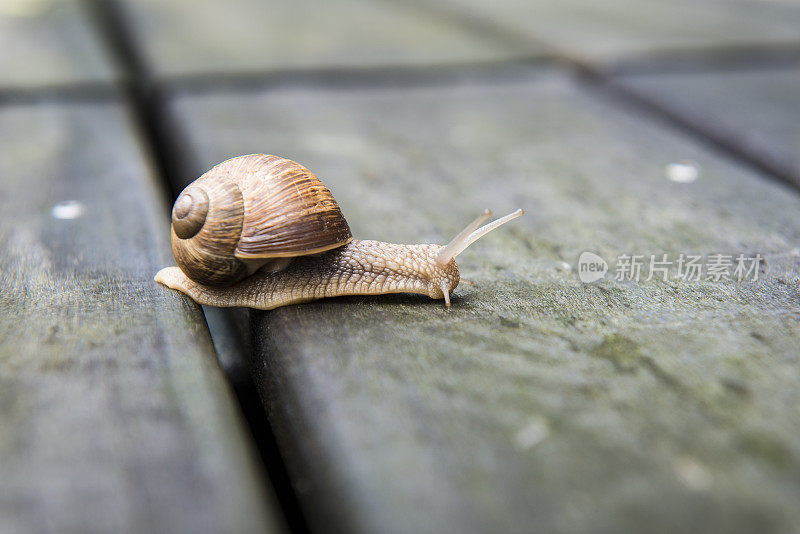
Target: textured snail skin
[{"x": 361, "y": 267}]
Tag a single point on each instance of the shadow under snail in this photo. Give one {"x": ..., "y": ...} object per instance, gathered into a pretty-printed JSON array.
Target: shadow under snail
[{"x": 262, "y": 232}]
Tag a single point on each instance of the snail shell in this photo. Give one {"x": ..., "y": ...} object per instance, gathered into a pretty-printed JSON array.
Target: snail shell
[{"x": 250, "y": 211}]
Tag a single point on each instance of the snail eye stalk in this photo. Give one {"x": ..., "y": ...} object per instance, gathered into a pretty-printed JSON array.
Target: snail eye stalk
[{"x": 472, "y": 233}]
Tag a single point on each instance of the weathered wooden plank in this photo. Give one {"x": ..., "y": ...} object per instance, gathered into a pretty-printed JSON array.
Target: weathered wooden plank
[
  {"x": 536, "y": 402},
  {"x": 180, "y": 37},
  {"x": 49, "y": 43},
  {"x": 615, "y": 33},
  {"x": 114, "y": 415},
  {"x": 755, "y": 113}
]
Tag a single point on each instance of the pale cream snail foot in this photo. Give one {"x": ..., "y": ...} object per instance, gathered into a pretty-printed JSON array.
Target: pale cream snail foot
[
  {"x": 173, "y": 278},
  {"x": 170, "y": 277}
]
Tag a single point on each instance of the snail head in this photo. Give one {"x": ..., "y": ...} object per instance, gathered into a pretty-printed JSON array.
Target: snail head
[{"x": 473, "y": 231}]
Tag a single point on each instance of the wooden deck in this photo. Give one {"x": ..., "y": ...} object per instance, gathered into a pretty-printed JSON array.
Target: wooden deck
[{"x": 537, "y": 403}]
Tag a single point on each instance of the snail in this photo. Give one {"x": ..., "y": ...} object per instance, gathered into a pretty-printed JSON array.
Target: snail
[{"x": 262, "y": 232}]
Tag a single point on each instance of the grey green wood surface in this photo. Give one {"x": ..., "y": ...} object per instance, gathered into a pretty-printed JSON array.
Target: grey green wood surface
[
  {"x": 244, "y": 36},
  {"x": 753, "y": 112},
  {"x": 49, "y": 43},
  {"x": 614, "y": 33},
  {"x": 114, "y": 414},
  {"x": 536, "y": 403}
]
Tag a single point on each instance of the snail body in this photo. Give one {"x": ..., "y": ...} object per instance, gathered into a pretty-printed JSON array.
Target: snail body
[
  {"x": 362, "y": 267},
  {"x": 263, "y": 232}
]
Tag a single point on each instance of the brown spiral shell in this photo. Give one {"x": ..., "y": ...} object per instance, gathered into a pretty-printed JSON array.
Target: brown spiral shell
[{"x": 248, "y": 210}]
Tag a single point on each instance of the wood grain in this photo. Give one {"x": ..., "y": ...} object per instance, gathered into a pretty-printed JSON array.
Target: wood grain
[
  {"x": 631, "y": 34},
  {"x": 753, "y": 112},
  {"x": 114, "y": 414},
  {"x": 536, "y": 402},
  {"x": 191, "y": 37},
  {"x": 50, "y": 44}
]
